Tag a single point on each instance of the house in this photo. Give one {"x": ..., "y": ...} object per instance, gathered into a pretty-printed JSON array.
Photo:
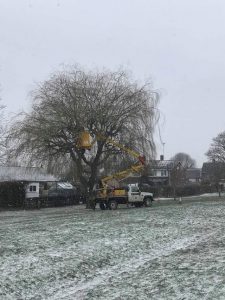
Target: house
[
  {"x": 157, "y": 173},
  {"x": 193, "y": 175},
  {"x": 34, "y": 179},
  {"x": 213, "y": 172}
]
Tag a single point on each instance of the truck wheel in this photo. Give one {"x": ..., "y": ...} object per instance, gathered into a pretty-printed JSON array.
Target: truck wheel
[
  {"x": 113, "y": 204},
  {"x": 102, "y": 205},
  {"x": 148, "y": 202}
]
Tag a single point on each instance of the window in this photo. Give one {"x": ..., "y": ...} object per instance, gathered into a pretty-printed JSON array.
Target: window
[
  {"x": 134, "y": 189},
  {"x": 163, "y": 173},
  {"x": 33, "y": 188}
]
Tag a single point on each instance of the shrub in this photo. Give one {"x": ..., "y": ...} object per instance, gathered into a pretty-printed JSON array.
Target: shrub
[
  {"x": 188, "y": 190},
  {"x": 12, "y": 194}
]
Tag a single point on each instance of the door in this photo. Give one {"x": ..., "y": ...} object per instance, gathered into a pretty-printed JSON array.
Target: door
[{"x": 134, "y": 194}]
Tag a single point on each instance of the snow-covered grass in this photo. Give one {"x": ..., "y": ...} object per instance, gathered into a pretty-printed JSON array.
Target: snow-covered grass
[
  {"x": 201, "y": 197},
  {"x": 174, "y": 251}
]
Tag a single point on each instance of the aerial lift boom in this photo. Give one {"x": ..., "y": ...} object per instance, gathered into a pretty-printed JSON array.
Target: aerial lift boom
[{"x": 86, "y": 143}]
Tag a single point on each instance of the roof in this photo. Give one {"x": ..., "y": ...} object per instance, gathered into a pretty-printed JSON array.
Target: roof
[
  {"x": 193, "y": 173},
  {"x": 211, "y": 169},
  {"x": 210, "y": 165},
  {"x": 8, "y": 173},
  {"x": 161, "y": 164}
]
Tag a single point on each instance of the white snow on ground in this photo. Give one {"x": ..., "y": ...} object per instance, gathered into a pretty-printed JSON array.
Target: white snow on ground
[
  {"x": 164, "y": 252},
  {"x": 210, "y": 195}
]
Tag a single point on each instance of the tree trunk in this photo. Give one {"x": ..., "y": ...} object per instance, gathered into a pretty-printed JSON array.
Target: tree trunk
[
  {"x": 91, "y": 183},
  {"x": 174, "y": 193}
]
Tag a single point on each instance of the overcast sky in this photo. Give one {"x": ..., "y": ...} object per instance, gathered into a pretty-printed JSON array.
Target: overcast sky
[{"x": 180, "y": 45}]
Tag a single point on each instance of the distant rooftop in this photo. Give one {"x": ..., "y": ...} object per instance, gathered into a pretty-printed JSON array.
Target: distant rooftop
[
  {"x": 161, "y": 164},
  {"x": 193, "y": 173},
  {"x": 212, "y": 169},
  {"x": 8, "y": 173}
]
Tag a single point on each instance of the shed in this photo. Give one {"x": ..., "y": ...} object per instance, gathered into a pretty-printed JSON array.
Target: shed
[{"x": 33, "y": 178}]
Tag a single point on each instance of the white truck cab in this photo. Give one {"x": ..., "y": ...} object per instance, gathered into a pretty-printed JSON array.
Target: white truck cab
[{"x": 137, "y": 197}]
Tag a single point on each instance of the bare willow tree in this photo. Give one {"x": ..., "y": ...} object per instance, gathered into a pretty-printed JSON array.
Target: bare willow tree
[
  {"x": 216, "y": 151},
  {"x": 109, "y": 103}
]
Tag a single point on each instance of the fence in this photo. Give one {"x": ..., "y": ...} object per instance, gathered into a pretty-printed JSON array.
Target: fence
[{"x": 42, "y": 202}]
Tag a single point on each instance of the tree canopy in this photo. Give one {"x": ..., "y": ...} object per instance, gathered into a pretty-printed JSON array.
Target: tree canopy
[
  {"x": 110, "y": 103},
  {"x": 184, "y": 159},
  {"x": 216, "y": 151}
]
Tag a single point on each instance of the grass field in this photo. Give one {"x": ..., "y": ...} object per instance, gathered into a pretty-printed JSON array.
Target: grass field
[{"x": 169, "y": 251}]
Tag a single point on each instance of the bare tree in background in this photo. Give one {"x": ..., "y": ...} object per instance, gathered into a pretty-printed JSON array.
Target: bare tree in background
[
  {"x": 216, "y": 154},
  {"x": 178, "y": 175},
  {"x": 216, "y": 151},
  {"x": 2, "y": 135},
  {"x": 217, "y": 175},
  {"x": 185, "y": 159},
  {"x": 110, "y": 103}
]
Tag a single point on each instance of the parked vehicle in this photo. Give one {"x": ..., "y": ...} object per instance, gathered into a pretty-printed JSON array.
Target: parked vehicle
[
  {"x": 109, "y": 197},
  {"x": 130, "y": 195},
  {"x": 62, "y": 194}
]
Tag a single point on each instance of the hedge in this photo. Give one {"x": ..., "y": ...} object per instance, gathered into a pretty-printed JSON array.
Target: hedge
[
  {"x": 12, "y": 194},
  {"x": 190, "y": 189}
]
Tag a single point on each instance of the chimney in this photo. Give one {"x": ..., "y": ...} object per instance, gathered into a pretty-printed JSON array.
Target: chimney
[{"x": 161, "y": 157}]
